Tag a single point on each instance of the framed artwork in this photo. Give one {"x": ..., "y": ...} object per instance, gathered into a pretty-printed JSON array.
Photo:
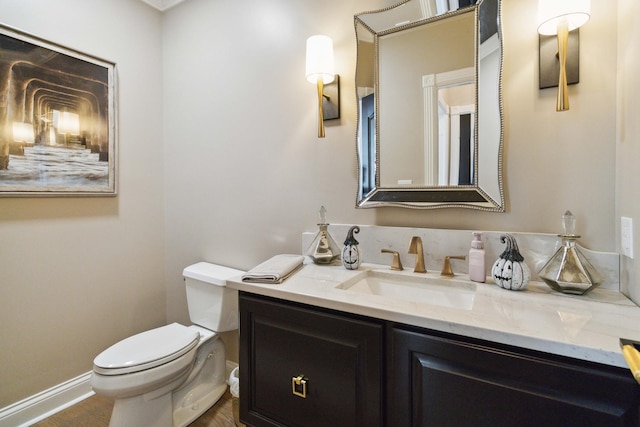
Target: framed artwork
[{"x": 57, "y": 120}]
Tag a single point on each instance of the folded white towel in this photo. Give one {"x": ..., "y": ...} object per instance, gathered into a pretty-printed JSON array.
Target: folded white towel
[{"x": 274, "y": 270}]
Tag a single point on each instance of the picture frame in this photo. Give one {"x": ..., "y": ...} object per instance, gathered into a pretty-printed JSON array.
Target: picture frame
[{"x": 58, "y": 133}]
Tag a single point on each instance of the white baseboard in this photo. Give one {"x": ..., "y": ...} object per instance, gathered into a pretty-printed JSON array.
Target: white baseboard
[{"x": 46, "y": 403}]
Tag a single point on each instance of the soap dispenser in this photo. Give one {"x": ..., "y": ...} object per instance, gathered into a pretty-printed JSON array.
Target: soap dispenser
[
  {"x": 568, "y": 271},
  {"x": 476, "y": 259},
  {"x": 323, "y": 249}
]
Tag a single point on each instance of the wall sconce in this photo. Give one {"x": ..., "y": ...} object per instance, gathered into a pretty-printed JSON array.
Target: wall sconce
[
  {"x": 559, "y": 17},
  {"x": 320, "y": 71}
]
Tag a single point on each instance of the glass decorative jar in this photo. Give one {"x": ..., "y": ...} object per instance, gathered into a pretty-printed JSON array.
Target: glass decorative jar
[
  {"x": 323, "y": 249},
  {"x": 568, "y": 270}
]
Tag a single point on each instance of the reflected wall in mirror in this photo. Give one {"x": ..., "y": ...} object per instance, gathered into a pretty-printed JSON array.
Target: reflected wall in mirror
[{"x": 428, "y": 82}]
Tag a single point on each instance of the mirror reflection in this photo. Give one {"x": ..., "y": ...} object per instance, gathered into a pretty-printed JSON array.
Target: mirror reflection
[{"x": 429, "y": 128}]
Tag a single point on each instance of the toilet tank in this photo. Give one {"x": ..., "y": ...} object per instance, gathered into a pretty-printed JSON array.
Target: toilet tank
[{"x": 211, "y": 304}]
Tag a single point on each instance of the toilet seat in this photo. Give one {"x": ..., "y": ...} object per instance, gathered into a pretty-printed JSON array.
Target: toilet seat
[{"x": 146, "y": 350}]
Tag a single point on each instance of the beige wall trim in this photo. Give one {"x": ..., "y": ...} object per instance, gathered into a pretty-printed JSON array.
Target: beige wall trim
[{"x": 46, "y": 403}]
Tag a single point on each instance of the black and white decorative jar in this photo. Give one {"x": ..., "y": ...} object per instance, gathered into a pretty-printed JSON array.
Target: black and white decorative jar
[{"x": 350, "y": 251}]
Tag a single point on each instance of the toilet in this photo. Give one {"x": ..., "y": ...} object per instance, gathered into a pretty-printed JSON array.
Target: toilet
[{"x": 169, "y": 376}]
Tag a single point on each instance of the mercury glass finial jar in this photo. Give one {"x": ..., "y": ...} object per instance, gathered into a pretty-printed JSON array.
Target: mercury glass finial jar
[
  {"x": 568, "y": 270},
  {"x": 323, "y": 249}
]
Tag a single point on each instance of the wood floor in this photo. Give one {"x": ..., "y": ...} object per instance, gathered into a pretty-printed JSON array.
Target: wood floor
[{"x": 96, "y": 410}]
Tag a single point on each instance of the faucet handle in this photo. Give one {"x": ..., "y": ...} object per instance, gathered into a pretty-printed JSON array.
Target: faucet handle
[
  {"x": 396, "y": 264},
  {"x": 446, "y": 267}
]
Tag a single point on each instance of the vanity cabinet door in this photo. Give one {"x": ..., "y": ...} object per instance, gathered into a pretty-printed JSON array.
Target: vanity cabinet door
[
  {"x": 449, "y": 381},
  {"x": 338, "y": 358}
]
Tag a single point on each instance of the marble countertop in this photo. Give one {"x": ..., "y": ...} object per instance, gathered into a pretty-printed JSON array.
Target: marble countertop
[{"x": 584, "y": 327}]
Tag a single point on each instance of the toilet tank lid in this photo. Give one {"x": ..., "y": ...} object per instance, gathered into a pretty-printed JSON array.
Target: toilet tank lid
[{"x": 211, "y": 273}]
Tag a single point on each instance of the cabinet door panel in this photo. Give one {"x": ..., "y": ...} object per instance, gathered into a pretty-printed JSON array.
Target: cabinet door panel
[
  {"x": 339, "y": 357},
  {"x": 446, "y": 395},
  {"x": 442, "y": 381}
]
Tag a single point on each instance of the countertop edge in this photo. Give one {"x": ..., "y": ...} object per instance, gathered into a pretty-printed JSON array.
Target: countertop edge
[{"x": 297, "y": 289}]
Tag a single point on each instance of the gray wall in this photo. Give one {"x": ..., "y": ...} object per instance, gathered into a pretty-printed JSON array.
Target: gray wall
[
  {"x": 78, "y": 274},
  {"x": 246, "y": 173},
  {"x": 628, "y": 138},
  {"x": 219, "y": 161}
]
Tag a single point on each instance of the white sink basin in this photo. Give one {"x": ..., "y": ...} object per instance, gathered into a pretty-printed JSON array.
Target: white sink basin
[{"x": 441, "y": 291}]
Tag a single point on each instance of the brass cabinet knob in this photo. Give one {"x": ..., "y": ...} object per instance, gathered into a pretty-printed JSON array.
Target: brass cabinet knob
[{"x": 299, "y": 386}]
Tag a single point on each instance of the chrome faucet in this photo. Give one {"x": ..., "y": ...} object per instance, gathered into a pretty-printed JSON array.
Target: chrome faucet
[{"x": 415, "y": 247}]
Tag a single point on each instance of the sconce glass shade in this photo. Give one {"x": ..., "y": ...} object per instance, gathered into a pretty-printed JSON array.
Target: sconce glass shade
[
  {"x": 320, "y": 62},
  {"x": 553, "y": 12}
]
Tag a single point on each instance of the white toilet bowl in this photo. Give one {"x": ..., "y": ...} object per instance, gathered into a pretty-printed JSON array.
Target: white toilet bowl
[{"x": 169, "y": 376}]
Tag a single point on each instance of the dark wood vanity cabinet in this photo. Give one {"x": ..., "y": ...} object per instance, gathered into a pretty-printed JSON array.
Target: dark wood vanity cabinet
[
  {"x": 441, "y": 380},
  {"x": 302, "y": 366}
]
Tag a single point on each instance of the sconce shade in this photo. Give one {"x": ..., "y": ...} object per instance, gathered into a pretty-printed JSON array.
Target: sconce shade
[
  {"x": 553, "y": 12},
  {"x": 320, "y": 62}
]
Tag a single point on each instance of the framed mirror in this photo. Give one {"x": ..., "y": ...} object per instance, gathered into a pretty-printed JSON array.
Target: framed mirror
[{"x": 429, "y": 82}]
